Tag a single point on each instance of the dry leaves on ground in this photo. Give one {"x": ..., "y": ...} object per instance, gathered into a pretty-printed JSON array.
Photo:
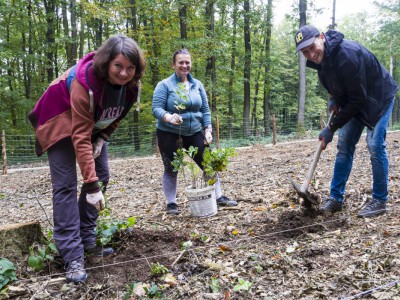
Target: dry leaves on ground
[{"x": 266, "y": 248}]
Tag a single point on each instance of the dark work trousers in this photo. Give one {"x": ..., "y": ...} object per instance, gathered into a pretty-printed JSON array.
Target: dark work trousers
[
  {"x": 168, "y": 144},
  {"x": 74, "y": 224}
]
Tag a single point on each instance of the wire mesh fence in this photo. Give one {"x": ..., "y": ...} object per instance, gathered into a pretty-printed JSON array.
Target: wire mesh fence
[{"x": 131, "y": 141}]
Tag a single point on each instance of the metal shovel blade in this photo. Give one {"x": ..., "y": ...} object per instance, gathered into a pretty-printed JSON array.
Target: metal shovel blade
[
  {"x": 303, "y": 189},
  {"x": 308, "y": 197}
]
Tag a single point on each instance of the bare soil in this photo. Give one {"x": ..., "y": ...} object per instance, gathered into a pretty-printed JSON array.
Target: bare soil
[{"x": 270, "y": 240}]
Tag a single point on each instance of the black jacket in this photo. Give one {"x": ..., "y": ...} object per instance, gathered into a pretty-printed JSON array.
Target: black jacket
[{"x": 354, "y": 77}]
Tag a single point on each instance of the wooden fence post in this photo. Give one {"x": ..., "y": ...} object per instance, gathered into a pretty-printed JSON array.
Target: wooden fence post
[
  {"x": 274, "y": 128},
  {"x": 4, "y": 153}
]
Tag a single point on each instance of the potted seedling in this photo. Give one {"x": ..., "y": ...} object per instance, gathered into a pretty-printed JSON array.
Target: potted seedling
[{"x": 200, "y": 192}]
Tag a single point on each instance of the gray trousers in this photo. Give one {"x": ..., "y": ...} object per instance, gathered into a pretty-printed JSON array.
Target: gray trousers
[{"x": 74, "y": 221}]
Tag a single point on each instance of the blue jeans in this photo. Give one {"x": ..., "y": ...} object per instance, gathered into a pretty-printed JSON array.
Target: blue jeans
[{"x": 349, "y": 135}]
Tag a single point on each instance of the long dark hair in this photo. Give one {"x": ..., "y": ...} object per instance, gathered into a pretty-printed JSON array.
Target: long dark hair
[{"x": 119, "y": 44}]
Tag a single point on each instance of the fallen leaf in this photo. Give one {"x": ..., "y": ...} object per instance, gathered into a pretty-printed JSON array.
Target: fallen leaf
[
  {"x": 260, "y": 208},
  {"x": 170, "y": 279},
  {"x": 291, "y": 248},
  {"x": 214, "y": 266},
  {"x": 224, "y": 248},
  {"x": 139, "y": 289}
]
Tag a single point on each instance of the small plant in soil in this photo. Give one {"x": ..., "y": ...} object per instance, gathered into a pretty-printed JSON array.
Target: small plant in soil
[
  {"x": 242, "y": 285},
  {"x": 139, "y": 290},
  {"x": 154, "y": 292},
  {"x": 186, "y": 245},
  {"x": 214, "y": 284},
  {"x": 200, "y": 237},
  {"x": 107, "y": 228},
  {"x": 7, "y": 272},
  {"x": 158, "y": 269},
  {"x": 39, "y": 255}
]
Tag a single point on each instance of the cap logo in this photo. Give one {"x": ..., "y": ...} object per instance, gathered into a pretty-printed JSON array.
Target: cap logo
[{"x": 299, "y": 37}]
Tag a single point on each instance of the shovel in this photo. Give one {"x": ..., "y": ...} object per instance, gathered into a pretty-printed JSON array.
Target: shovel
[{"x": 302, "y": 191}]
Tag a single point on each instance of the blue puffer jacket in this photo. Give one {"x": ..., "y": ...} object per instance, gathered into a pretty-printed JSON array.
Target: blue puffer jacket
[
  {"x": 353, "y": 76},
  {"x": 196, "y": 114}
]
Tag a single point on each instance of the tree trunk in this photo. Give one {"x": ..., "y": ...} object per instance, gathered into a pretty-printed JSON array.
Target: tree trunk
[
  {"x": 28, "y": 63},
  {"x": 66, "y": 32},
  {"x": 210, "y": 68},
  {"x": 267, "y": 81},
  {"x": 81, "y": 31},
  {"x": 74, "y": 34},
  {"x": 136, "y": 133},
  {"x": 232, "y": 69},
  {"x": 183, "y": 23},
  {"x": 71, "y": 47},
  {"x": 333, "y": 24},
  {"x": 302, "y": 70},
  {"x": 254, "y": 118},
  {"x": 50, "y": 40},
  {"x": 133, "y": 18},
  {"x": 12, "y": 104},
  {"x": 247, "y": 69}
]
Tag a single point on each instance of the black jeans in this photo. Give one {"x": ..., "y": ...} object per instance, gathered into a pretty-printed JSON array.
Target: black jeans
[{"x": 168, "y": 144}]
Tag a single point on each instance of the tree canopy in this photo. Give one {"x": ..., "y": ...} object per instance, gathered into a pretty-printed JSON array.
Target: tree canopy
[{"x": 245, "y": 60}]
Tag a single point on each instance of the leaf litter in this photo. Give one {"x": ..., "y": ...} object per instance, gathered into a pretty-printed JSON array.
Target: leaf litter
[{"x": 269, "y": 247}]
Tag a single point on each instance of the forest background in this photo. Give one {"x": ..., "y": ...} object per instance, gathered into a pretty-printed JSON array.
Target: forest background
[{"x": 246, "y": 61}]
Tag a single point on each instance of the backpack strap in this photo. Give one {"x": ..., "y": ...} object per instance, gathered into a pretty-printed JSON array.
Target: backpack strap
[{"x": 71, "y": 76}]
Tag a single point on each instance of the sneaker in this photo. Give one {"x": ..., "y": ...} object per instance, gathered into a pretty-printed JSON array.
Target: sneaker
[
  {"x": 98, "y": 250},
  {"x": 172, "y": 209},
  {"x": 225, "y": 201},
  {"x": 372, "y": 208},
  {"x": 331, "y": 205},
  {"x": 76, "y": 271}
]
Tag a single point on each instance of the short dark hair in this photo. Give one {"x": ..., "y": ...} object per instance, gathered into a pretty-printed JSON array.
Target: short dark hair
[
  {"x": 180, "y": 51},
  {"x": 119, "y": 44}
]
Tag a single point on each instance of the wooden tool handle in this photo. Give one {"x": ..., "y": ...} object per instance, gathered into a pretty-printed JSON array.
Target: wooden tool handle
[{"x": 315, "y": 160}]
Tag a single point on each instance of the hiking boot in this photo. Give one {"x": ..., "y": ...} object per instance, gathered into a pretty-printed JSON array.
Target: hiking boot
[
  {"x": 225, "y": 201},
  {"x": 172, "y": 209},
  {"x": 76, "y": 271},
  {"x": 372, "y": 208},
  {"x": 98, "y": 250},
  {"x": 331, "y": 205}
]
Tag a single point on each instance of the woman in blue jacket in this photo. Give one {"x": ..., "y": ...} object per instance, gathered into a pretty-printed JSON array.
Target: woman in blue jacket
[{"x": 185, "y": 124}]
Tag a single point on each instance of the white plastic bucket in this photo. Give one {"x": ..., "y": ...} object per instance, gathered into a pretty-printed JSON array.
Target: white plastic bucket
[{"x": 202, "y": 202}]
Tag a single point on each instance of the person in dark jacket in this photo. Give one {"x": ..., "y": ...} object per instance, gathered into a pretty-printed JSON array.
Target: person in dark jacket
[
  {"x": 362, "y": 94},
  {"x": 187, "y": 124},
  {"x": 73, "y": 120}
]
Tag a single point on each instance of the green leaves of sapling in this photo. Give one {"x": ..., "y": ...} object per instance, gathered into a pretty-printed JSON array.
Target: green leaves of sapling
[
  {"x": 7, "y": 272},
  {"x": 183, "y": 98}
]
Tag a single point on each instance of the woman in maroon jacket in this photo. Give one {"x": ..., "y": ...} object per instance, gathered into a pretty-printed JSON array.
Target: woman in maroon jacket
[{"x": 73, "y": 120}]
